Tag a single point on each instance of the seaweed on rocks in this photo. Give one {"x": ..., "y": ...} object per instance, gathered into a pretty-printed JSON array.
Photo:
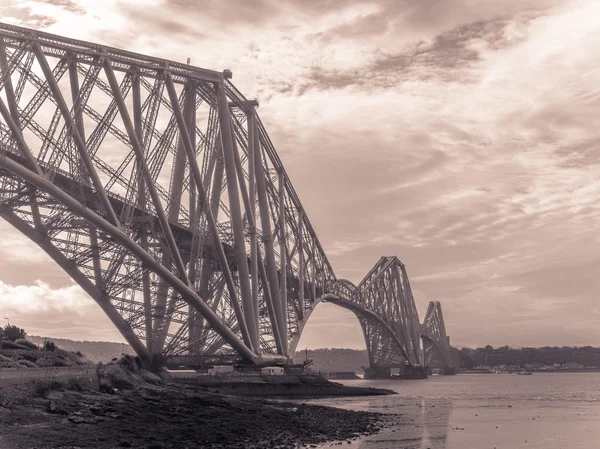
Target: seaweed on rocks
[{"x": 168, "y": 416}]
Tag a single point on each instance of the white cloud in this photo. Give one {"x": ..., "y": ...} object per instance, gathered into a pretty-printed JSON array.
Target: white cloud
[
  {"x": 15, "y": 248},
  {"x": 66, "y": 312},
  {"x": 21, "y": 300}
]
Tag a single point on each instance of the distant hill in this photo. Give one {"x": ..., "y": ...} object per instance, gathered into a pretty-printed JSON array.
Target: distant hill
[
  {"x": 95, "y": 351},
  {"x": 326, "y": 360},
  {"x": 336, "y": 359},
  {"x": 586, "y": 356},
  {"x": 323, "y": 359}
]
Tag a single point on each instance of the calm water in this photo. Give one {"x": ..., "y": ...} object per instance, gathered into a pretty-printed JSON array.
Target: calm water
[{"x": 502, "y": 411}]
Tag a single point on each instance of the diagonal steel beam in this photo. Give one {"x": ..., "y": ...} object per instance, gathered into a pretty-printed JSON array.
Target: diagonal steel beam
[
  {"x": 77, "y": 109},
  {"x": 79, "y": 142},
  {"x": 267, "y": 238},
  {"x": 166, "y": 228},
  {"x": 283, "y": 255},
  {"x": 227, "y": 145},
  {"x": 101, "y": 299},
  {"x": 119, "y": 236},
  {"x": 141, "y": 201},
  {"x": 193, "y": 165}
]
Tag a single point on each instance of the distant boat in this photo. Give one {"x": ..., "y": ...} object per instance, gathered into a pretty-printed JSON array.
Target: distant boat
[{"x": 524, "y": 373}]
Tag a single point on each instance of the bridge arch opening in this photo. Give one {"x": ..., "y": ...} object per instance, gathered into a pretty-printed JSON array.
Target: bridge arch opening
[
  {"x": 385, "y": 351},
  {"x": 434, "y": 356},
  {"x": 331, "y": 326}
]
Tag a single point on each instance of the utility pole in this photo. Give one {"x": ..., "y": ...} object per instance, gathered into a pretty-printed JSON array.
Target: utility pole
[{"x": 2, "y": 332}]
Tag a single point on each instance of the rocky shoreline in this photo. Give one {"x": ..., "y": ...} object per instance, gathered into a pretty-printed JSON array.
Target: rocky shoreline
[{"x": 166, "y": 415}]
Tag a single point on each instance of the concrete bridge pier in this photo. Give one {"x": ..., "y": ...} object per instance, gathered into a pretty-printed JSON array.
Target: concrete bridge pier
[
  {"x": 378, "y": 372},
  {"x": 385, "y": 372},
  {"x": 414, "y": 372}
]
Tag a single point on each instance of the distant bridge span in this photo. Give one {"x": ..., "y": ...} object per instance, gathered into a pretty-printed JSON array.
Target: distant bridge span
[{"x": 155, "y": 186}]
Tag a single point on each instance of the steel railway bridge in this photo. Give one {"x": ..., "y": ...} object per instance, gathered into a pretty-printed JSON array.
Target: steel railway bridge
[{"x": 155, "y": 186}]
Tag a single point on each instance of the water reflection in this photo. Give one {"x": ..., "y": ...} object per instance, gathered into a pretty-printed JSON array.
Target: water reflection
[
  {"x": 435, "y": 419},
  {"x": 419, "y": 423},
  {"x": 544, "y": 411}
]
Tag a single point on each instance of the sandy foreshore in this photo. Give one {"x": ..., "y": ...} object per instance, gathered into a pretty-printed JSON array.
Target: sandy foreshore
[{"x": 174, "y": 416}]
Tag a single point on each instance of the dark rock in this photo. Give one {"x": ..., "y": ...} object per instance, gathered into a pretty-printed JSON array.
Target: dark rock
[
  {"x": 51, "y": 407},
  {"x": 96, "y": 410},
  {"x": 76, "y": 419}
]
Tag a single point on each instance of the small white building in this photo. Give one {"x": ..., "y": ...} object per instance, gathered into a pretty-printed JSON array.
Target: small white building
[
  {"x": 220, "y": 369},
  {"x": 182, "y": 374},
  {"x": 272, "y": 371}
]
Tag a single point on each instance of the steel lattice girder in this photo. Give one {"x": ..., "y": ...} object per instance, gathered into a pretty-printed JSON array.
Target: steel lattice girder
[
  {"x": 156, "y": 187},
  {"x": 434, "y": 331},
  {"x": 384, "y": 304}
]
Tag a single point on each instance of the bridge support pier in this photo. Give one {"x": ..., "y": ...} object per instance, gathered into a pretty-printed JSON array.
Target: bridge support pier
[
  {"x": 413, "y": 372},
  {"x": 385, "y": 372},
  {"x": 378, "y": 372}
]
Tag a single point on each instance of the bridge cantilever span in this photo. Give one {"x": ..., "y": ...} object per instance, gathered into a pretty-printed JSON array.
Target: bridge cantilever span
[
  {"x": 156, "y": 187},
  {"x": 384, "y": 304}
]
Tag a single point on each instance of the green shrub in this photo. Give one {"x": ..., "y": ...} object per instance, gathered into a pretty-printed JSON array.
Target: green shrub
[
  {"x": 7, "y": 362},
  {"x": 8, "y": 365},
  {"x": 9, "y": 396},
  {"x": 53, "y": 360},
  {"x": 49, "y": 346},
  {"x": 21, "y": 354},
  {"x": 7, "y": 344},
  {"x": 75, "y": 384},
  {"x": 7, "y": 352},
  {"x": 130, "y": 363},
  {"x": 116, "y": 376},
  {"x": 41, "y": 388},
  {"x": 72, "y": 356},
  {"x": 27, "y": 344},
  {"x": 27, "y": 363}
]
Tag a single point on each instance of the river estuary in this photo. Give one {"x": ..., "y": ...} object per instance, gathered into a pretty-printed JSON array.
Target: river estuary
[{"x": 501, "y": 411}]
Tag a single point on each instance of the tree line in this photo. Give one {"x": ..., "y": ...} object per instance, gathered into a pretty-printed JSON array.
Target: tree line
[
  {"x": 12, "y": 332},
  {"x": 587, "y": 356}
]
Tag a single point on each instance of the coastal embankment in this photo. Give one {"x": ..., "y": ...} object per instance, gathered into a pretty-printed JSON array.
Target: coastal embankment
[{"x": 290, "y": 386}]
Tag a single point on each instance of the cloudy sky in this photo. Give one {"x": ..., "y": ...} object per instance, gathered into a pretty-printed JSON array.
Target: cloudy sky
[{"x": 460, "y": 135}]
